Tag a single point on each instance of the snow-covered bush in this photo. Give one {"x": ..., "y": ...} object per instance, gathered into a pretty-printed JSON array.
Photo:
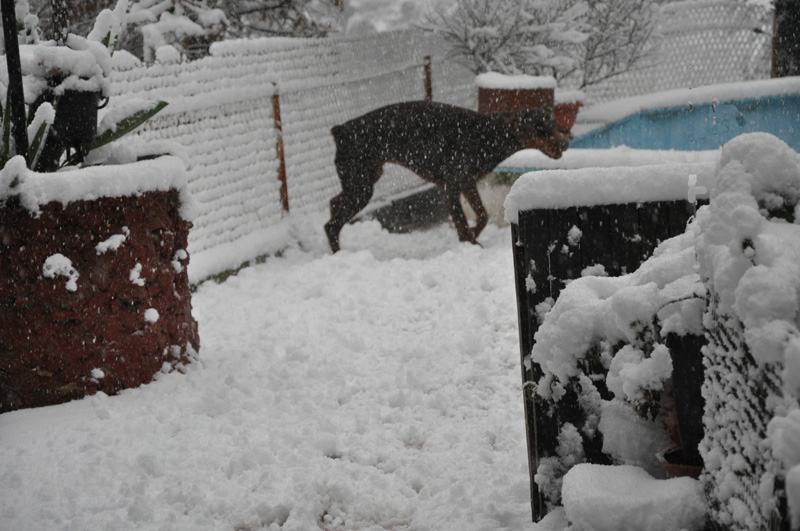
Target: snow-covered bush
[
  {"x": 295, "y": 18},
  {"x": 604, "y": 344},
  {"x": 621, "y": 38},
  {"x": 582, "y": 41},
  {"x": 185, "y": 24},
  {"x": 27, "y": 24},
  {"x": 62, "y": 84},
  {"x": 536, "y": 37}
]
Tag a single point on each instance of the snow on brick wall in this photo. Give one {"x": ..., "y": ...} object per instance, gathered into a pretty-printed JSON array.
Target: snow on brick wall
[{"x": 220, "y": 111}]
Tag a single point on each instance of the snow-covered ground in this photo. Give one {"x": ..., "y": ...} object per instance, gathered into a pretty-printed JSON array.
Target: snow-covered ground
[{"x": 374, "y": 389}]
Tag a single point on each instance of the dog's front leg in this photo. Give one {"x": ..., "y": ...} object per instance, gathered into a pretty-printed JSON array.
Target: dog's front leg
[
  {"x": 472, "y": 196},
  {"x": 452, "y": 197}
]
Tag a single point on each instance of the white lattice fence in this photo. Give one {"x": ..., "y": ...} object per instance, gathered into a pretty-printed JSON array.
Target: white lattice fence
[{"x": 701, "y": 43}]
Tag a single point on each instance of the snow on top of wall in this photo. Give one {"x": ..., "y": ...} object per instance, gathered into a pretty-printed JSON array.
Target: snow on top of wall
[
  {"x": 619, "y": 109},
  {"x": 37, "y": 189},
  {"x": 494, "y": 80},
  {"x": 616, "y": 156},
  {"x": 259, "y": 46},
  {"x": 604, "y": 186}
]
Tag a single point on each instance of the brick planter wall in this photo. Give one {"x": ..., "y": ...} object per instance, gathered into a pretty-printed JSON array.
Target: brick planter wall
[{"x": 59, "y": 340}]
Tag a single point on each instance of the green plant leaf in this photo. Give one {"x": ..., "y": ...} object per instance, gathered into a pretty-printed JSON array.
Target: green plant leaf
[
  {"x": 37, "y": 144},
  {"x": 126, "y": 125}
]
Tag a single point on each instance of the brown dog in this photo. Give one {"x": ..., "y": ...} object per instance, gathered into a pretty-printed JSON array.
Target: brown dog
[{"x": 449, "y": 146}]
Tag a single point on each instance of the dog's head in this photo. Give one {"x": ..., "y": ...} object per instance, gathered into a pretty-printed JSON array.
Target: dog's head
[{"x": 537, "y": 129}]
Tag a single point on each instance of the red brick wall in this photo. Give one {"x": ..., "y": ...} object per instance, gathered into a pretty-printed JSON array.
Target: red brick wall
[{"x": 52, "y": 339}]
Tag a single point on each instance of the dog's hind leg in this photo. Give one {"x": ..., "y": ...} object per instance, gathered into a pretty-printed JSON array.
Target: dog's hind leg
[
  {"x": 452, "y": 198},
  {"x": 470, "y": 192}
]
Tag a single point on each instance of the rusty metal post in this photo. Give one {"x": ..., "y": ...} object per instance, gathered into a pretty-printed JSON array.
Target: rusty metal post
[
  {"x": 276, "y": 115},
  {"x": 428, "y": 79}
]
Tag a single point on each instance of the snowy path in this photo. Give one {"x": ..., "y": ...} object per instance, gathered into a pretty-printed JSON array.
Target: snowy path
[{"x": 375, "y": 389}]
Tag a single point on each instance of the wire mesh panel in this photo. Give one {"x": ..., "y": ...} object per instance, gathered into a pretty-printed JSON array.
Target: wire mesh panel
[
  {"x": 236, "y": 188},
  {"x": 453, "y": 83},
  {"x": 745, "y": 395},
  {"x": 699, "y": 43}
]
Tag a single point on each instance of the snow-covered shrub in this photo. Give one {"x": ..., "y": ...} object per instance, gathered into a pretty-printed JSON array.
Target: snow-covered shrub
[
  {"x": 603, "y": 344},
  {"x": 535, "y": 37},
  {"x": 184, "y": 24},
  {"x": 295, "y": 18},
  {"x": 621, "y": 37},
  {"x": 582, "y": 41},
  {"x": 27, "y": 24},
  {"x": 749, "y": 250},
  {"x": 62, "y": 84}
]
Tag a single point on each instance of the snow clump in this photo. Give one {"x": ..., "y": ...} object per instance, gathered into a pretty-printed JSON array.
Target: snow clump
[
  {"x": 151, "y": 315},
  {"x": 113, "y": 242},
  {"x": 60, "y": 265},
  {"x": 135, "y": 275},
  {"x": 168, "y": 55}
]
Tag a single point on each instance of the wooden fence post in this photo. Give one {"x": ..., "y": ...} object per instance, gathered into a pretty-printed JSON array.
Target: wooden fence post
[
  {"x": 428, "y": 79},
  {"x": 276, "y": 115}
]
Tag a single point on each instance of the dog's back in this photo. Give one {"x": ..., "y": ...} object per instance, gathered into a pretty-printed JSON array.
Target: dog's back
[{"x": 431, "y": 139}]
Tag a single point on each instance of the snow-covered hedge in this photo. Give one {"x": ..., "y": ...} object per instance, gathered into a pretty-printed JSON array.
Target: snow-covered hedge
[{"x": 733, "y": 275}]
